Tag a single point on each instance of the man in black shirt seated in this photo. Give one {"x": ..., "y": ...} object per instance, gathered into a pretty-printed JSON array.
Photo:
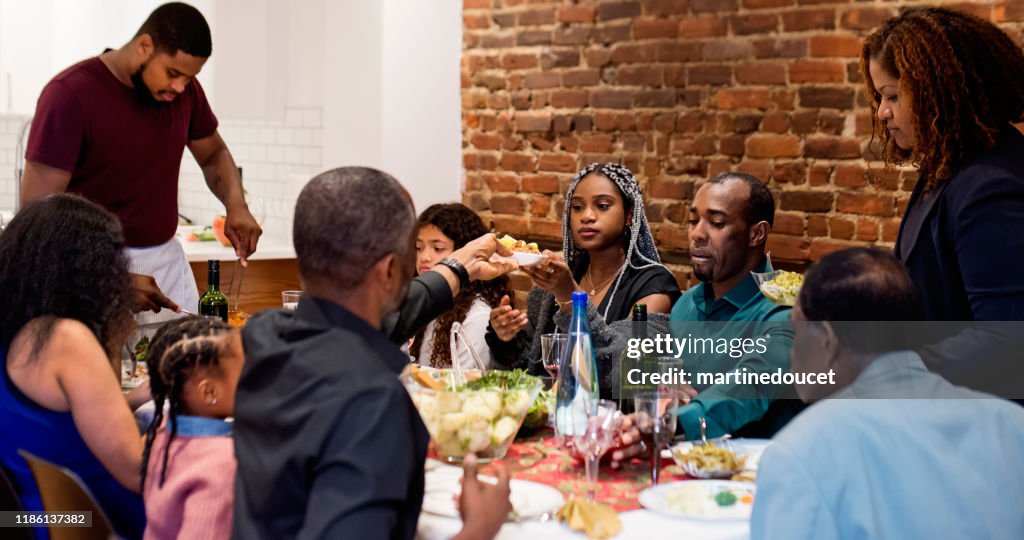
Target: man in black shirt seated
[{"x": 329, "y": 445}]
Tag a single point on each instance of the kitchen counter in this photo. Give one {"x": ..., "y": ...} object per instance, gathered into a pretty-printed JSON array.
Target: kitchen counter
[
  {"x": 268, "y": 247},
  {"x": 272, "y": 269}
]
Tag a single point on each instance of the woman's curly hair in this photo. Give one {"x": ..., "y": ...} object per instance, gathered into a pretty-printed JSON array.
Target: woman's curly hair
[
  {"x": 62, "y": 257},
  {"x": 960, "y": 79},
  {"x": 461, "y": 225}
]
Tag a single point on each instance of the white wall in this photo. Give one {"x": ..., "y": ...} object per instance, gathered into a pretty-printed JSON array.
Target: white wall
[
  {"x": 39, "y": 38},
  {"x": 377, "y": 81},
  {"x": 353, "y": 108},
  {"x": 392, "y": 94},
  {"x": 421, "y": 120}
]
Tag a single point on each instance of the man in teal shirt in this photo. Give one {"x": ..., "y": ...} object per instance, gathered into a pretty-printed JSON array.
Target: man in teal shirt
[{"x": 730, "y": 219}]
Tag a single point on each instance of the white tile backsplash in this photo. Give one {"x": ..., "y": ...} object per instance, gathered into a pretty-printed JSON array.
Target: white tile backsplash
[
  {"x": 10, "y": 126},
  {"x": 269, "y": 151}
]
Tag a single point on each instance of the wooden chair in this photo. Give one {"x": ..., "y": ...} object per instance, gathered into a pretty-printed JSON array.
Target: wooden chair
[
  {"x": 10, "y": 502},
  {"x": 62, "y": 491}
]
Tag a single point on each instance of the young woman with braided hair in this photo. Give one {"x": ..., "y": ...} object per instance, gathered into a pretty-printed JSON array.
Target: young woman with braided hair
[
  {"x": 946, "y": 88},
  {"x": 607, "y": 251},
  {"x": 443, "y": 228},
  {"x": 188, "y": 467}
]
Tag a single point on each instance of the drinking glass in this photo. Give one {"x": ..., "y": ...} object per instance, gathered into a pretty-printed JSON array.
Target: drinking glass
[
  {"x": 603, "y": 425},
  {"x": 655, "y": 418},
  {"x": 552, "y": 347},
  {"x": 290, "y": 299},
  {"x": 258, "y": 209}
]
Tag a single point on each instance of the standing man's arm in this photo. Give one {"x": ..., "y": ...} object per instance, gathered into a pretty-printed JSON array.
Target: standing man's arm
[
  {"x": 222, "y": 177},
  {"x": 39, "y": 180}
]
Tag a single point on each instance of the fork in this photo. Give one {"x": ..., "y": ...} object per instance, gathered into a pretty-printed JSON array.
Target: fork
[
  {"x": 240, "y": 272},
  {"x": 514, "y": 517}
]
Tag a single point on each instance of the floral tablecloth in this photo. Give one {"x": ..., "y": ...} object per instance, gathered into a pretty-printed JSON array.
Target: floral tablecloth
[{"x": 539, "y": 458}]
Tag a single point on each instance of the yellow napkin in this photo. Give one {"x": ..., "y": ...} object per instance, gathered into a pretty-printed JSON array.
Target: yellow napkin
[{"x": 595, "y": 519}]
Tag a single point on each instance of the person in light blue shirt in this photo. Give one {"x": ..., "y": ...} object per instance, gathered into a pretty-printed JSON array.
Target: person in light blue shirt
[{"x": 890, "y": 450}]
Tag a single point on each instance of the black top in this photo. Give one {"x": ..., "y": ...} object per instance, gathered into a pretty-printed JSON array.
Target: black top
[
  {"x": 964, "y": 247},
  {"x": 329, "y": 444},
  {"x": 524, "y": 350},
  {"x": 637, "y": 284}
]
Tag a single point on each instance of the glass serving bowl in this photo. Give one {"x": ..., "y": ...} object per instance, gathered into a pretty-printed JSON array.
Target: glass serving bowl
[
  {"x": 779, "y": 286},
  {"x": 470, "y": 413}
]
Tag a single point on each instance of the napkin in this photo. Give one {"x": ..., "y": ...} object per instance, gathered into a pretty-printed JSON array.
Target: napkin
[{"x": 595, "y": 519}]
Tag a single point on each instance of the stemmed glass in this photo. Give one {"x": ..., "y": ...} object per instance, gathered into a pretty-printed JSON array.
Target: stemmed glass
[
  {"x": 552, "y": 347},
  {"x": 655, "y": 418},
  {"x": 603, "y": 423}
]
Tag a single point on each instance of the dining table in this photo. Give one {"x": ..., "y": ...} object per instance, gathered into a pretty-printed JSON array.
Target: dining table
[{"x": 540, "y": 458}]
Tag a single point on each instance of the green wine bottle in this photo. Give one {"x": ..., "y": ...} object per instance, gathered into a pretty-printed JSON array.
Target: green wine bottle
[{"x": 213, "y": 303}]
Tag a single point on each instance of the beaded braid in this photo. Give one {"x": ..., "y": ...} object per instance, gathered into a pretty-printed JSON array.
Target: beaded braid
[
  {"x": 176, "y": 350},
  {"x": 641, "y": 241}
]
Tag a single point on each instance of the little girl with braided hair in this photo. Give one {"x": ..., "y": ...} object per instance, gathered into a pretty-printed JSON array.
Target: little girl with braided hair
[{"x": 188, "y": 468}]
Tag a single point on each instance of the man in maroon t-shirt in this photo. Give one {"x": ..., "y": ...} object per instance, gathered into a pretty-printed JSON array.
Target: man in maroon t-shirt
[{"x": 113, "y": 128}]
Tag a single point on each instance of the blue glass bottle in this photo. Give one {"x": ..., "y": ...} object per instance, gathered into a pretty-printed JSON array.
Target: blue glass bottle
[{"x": 578, "y": 390}]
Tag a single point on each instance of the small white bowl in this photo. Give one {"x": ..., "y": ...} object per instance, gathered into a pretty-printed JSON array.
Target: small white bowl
[{"x": 527, "y": 259}]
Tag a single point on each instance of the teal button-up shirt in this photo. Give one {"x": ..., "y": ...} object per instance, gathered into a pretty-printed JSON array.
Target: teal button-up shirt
[{"x": 741, "y": 313}]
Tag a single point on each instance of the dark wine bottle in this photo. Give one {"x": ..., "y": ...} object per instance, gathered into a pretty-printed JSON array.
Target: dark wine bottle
[
  {"x": 641, "y": 362},
  {"x": 213, "y": 303}
]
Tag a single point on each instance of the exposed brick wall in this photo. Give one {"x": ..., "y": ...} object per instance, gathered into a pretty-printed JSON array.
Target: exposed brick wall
[{"x": 679, "y": 90}]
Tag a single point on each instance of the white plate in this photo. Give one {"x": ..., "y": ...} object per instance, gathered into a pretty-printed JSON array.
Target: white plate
[
  {"x": 527, "y": 259},
  {"x": 752, "y": 448},
  {"x": 529, "y": 499},
  {"x": 704, "y": 507}
]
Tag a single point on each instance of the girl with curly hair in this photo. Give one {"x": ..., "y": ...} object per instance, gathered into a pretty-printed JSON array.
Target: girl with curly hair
[
  {"x": 443, "y": 228},
  {"x": 188, "y": 468},
  {"x": 65, "y": 319},
  {"x": 946, "y": 88},
  {"x": 607, "y": 251}
]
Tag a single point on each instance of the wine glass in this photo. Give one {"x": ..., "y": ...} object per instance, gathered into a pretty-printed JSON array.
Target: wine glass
[
  {"x": 655, "y": 418},
  {"x": 603, "y": 425},
  {"x": 552, "y": 347}
]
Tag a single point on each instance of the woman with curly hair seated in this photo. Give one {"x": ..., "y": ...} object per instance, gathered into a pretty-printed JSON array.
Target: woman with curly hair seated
[
  {"x": 946, "y": 88},
  {"x": 66, "y": 317},
  {"x": 443, "y": 228}
]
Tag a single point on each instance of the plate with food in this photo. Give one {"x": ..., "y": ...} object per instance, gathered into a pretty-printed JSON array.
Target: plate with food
[
  {"x": 779, "y": 286},
  {"x": 526, "y": 254},
  {"x": 706, "y": 500},
  {"x": 444, "y": 484}
]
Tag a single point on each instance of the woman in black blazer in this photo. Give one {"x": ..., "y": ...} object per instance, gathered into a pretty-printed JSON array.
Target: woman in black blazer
[{"x": 946, "y": 88}]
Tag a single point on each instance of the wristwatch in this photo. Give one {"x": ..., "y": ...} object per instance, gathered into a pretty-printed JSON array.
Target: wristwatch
[{"x": 458, "y": 269}]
